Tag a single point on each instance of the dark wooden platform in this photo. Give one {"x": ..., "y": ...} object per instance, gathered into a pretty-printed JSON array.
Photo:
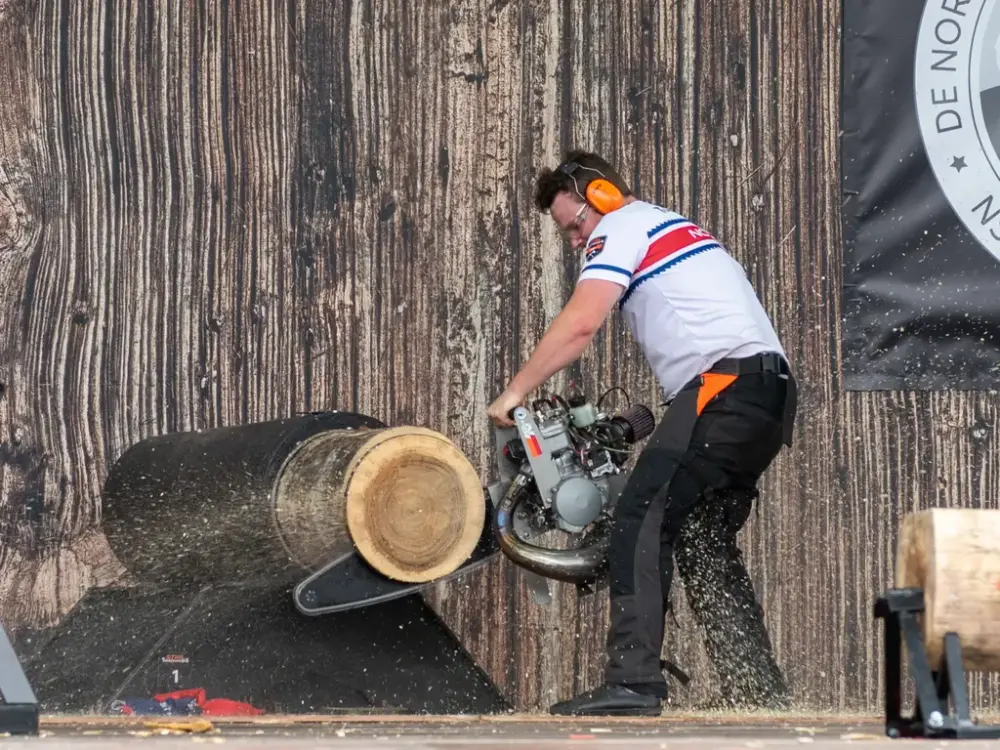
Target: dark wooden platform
[{"x": 358, "y": 732}]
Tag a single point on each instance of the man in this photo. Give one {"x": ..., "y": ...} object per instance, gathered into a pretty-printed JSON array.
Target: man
[{"x": 731, "y": 403}]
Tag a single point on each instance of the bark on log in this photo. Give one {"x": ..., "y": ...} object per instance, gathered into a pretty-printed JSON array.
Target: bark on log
[
  {"x": 271, "y": 502},
  {"x": 953, "y": 554}
]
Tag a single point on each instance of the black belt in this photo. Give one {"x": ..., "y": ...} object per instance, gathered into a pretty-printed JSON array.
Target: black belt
[{"x": 757, "y": 364}]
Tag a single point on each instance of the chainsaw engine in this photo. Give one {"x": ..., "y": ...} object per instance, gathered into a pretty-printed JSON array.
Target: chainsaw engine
[{"x": 568, "y": 457}]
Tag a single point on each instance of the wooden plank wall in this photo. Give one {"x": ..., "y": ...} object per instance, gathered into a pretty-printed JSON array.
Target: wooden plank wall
[{"x": 217, "y": 212}]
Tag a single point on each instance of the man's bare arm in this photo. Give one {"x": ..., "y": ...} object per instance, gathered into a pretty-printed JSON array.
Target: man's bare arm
[{"x": 565, "y": 340}]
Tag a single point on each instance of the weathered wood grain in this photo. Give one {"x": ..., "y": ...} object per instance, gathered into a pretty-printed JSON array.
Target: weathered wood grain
[
  {"x": 145, "y": 286},
  {"x": 217, "y": 212}
]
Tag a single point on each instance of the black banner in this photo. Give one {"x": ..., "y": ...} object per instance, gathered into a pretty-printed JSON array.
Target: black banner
[{"x": 920, "y": 163}]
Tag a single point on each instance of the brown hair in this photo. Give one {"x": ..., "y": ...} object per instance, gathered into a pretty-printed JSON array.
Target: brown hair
[{"x": 550, "y": 182}]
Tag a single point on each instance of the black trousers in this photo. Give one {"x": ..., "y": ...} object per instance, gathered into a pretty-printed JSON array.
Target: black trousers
[{"x": 691, "y": 491}]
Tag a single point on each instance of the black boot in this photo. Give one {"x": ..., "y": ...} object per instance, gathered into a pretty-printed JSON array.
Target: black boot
[{"x": 609, "y": 700}]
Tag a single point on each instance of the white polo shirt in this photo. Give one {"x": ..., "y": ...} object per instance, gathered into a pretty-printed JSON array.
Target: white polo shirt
[{"x": 687, "y": 301}]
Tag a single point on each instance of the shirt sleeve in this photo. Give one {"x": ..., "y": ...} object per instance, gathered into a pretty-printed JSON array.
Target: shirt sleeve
[{"x": 612, "y": 253}]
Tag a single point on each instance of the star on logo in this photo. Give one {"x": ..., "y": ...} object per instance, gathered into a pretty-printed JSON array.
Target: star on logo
[{"x": 958, "y": 163}]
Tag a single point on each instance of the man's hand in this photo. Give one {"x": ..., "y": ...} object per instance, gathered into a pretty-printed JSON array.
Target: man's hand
[
  {"x": 498, "y": 409},
  {"x": 563, "y": 343}
]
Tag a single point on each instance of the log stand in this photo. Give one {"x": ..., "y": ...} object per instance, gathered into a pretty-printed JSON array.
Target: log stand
[
  {"x": 899, "y": 608},
  {"x": 18, "y": 705}
]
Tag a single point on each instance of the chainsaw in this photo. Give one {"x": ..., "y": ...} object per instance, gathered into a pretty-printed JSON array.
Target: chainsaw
[{"x": 561, "y": 469}]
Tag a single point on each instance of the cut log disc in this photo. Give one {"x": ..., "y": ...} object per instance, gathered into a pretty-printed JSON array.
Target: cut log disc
[
  {"x": 415, "y": 505},
  {"x": 407, "y": 498},
  {"x": 953, "y": 554}
]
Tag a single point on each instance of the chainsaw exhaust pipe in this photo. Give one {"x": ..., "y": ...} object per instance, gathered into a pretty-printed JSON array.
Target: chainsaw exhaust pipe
[{"x": 581, "y": 566}]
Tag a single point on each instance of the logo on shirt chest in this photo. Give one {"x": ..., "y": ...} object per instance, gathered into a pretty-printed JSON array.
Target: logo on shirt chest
[{"x": 594, "y": 247}]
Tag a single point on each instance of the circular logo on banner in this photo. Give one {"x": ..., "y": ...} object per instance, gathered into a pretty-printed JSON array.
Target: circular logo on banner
[{"x": 957, "y": 89}]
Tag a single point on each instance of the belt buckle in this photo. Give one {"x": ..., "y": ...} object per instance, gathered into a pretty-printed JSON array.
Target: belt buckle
[{"x": 770, "y": 363}]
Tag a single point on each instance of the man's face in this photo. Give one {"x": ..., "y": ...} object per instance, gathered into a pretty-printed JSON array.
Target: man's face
[{"x": 574, "y": 218}]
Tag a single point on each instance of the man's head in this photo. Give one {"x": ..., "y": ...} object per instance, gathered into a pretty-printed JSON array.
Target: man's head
[{"x": 563, "y": 195}]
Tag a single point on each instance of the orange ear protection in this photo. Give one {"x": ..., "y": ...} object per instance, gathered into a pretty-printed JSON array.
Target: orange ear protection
[{"x": 600, "y": 193}]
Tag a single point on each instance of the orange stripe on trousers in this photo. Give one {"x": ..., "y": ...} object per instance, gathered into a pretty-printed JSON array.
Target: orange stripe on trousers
[{"x": 712, "y": 384}]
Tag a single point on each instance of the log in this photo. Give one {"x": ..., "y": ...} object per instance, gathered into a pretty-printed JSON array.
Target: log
[
  {"x": 407, "y": 498},
  {"x": 953, "y": 554},
  {"x": 274, "y": 501}
]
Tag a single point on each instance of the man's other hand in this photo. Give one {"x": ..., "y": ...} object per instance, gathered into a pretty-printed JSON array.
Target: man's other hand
[{"x": 498, "y": 410}]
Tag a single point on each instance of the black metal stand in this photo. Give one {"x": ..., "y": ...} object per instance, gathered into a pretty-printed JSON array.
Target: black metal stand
[
  {"x": 251, "y": 644},
  {"x": 931, "y": 717},
  {"x": 18, "y": 705}
]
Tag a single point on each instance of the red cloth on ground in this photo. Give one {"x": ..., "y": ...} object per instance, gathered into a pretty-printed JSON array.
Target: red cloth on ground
[{"x": 215, "y": 706}]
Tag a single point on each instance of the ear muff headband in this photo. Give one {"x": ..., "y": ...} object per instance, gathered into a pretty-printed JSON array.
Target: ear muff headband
[{"x": 600, "y": 193}]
